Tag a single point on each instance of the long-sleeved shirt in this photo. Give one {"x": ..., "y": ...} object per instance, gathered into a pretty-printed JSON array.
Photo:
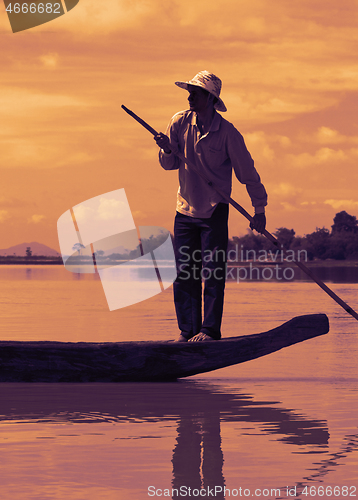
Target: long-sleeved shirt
[{"x": 215, "y": 154}]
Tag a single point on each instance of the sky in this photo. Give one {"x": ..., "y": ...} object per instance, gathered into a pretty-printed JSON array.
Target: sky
[{"x": 290, "y": 83}]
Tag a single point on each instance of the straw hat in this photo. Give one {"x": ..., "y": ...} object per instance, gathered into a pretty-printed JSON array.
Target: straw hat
[{"x": 208, "y": 82}]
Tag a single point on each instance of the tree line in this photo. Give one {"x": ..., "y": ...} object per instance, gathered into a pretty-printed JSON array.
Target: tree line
[{"x": 341, "y": 243}]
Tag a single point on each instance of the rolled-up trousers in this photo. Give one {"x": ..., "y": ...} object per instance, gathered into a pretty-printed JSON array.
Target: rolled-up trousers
[{"x": 200, "y": 253}]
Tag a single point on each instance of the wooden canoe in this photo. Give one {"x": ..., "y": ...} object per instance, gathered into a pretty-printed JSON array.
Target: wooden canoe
[{"x": 145, "y": 361}]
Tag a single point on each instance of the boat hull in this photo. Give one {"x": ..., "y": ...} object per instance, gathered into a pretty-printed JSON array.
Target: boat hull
[{"x": 145, "y": 361}]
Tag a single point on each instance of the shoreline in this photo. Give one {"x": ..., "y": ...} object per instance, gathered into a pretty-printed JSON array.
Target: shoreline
[{"x": 245, "y": 263}]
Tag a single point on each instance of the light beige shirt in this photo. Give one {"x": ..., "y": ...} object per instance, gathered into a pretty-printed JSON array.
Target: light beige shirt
[{"x": 215, "y": 154}]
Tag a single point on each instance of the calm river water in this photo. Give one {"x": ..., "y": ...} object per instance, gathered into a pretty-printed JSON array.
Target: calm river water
[{"x": 282, "y": 426}]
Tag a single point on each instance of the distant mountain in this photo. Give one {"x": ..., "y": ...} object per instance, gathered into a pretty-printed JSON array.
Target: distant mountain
[{"x": 36, "y": 248}]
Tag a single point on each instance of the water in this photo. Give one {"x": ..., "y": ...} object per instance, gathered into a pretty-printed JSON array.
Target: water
[{"x": 271, "y": 426}]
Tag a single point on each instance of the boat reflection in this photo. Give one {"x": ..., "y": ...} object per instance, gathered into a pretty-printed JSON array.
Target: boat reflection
[
  {"x": 197, "y": 407},
  {"x": 332, "y": 461}
]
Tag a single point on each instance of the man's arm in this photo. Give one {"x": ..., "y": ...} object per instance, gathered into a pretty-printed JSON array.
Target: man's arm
[
  {"x": 247, "y": 174},
  {"x": 167, "y": 159}
]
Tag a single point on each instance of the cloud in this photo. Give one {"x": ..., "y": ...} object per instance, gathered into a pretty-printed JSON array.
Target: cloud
[
  {"x": 14, "y": 202},
  {"x": 91, "y": 16},
  {"x": 111, "y": 209},
  {"x": 265, "y": 147},
  {"x": 285, "y": 189},
  {"x": 35, "y": 219},
  {"x": 290, "y": 207},
  {"x": 342, "y": 204},
  {"x": 43, "y": 129},
  {"x": 285, "y": 195},
  {"x": 106, "y": 209},
  {"x": 74, "y": 158},
  {"x": 273, "y": 67},
  {"x": 49, "y": 60},
  {"x": 50, "y": 151},
  {"x": 326, "y": 135},
  {"x": 138, "y": 214},
  {"x": 321, "y": 156},
  {"x": 4, "y": 215},
  {"x": 257, "y": 143},
  {"x": 255, "y": 103},
  {"x": 23, "y": 102},
  {"x": 286, "y": 68},
  {"x": 84, "y": 213}
]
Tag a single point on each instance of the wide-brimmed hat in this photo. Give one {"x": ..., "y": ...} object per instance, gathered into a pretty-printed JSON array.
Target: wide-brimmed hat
[{"x": 207, "y": 81}]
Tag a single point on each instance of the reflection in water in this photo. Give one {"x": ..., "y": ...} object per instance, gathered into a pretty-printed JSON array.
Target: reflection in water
[
  {"x": 197, "y": 408},
  {"x": 198, "y": 458},
  {"x": 333, "y": 461},
  {"x": 288, "y": 272},
  {"x": 77, "y": 276},
  {"x": 198, "y": 453},
  {"x": 331, "y": 274}
]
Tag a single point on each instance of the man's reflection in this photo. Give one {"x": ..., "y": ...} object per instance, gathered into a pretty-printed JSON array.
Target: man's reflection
[
  {"x": 197, "y": 407},
  {"x": 197, "y": 458}
]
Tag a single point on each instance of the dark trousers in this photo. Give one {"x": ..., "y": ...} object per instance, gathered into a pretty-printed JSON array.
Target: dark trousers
[{"x": 200, "y": 252}]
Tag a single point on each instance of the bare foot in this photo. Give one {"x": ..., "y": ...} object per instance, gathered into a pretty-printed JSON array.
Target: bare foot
[
  {"x": 200, "y": 337},
  {"x": 181, "y": 338}
]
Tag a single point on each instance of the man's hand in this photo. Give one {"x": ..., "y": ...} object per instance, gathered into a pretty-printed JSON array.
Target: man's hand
[
  {"x": 163, "y": 142},
  {"x": 259, "y": 223}
]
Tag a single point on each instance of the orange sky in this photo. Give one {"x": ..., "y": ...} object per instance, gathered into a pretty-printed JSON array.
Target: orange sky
[{"x": 290, "y": 83}]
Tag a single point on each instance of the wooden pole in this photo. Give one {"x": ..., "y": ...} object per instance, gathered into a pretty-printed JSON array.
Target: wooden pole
[{"x": 240, "y": 209}]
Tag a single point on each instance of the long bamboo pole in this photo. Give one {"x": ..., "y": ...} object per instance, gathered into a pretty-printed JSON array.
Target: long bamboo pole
[{"x": 240, "y": 209}]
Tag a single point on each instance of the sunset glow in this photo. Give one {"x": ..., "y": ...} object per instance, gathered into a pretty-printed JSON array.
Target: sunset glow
[{"x": 289, "y": 73}]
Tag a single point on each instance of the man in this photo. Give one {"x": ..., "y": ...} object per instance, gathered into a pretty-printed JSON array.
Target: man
[{"x": 216, "y": 148}]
